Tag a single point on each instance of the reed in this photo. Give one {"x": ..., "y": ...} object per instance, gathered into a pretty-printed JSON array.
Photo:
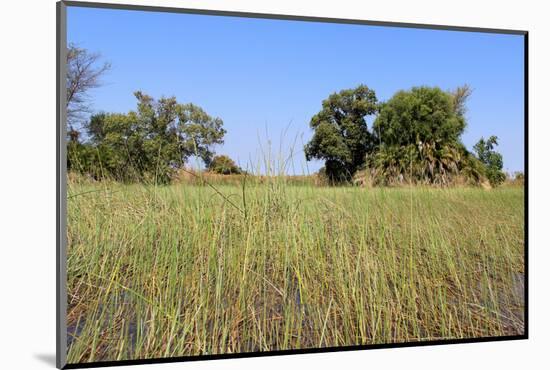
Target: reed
[{"x": 160, "y": 271}]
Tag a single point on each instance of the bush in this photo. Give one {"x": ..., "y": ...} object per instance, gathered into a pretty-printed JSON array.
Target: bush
[
  {"x": 491, "y": 159},
  {"x": 224, "y": 165},
  {"x": 146, "y": 145}
]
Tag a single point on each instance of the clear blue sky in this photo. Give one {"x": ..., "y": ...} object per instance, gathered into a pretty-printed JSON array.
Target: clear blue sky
[{"x": 261, "y": 76}]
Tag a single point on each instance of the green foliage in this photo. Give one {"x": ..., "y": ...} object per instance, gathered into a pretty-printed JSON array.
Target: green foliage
[
  {"x": 83, "y": 158},
  {"x": 414, "y": 138},
  {"x": 148, "y": 144},
  {"x": 420, "y": 115},
  {"x": 418, "y": 138},
  {"x": 224, "y": 165},
  {"x": 472, "y": 170},
  {"x": 492, "y": 160},
  {"x": 341, "y": 136}
]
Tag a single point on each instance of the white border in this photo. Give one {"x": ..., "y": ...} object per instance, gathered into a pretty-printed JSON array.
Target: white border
[{"x": 27, "y": 155}]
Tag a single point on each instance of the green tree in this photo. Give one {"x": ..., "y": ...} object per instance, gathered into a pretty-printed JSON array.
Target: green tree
[
  {"x": 224, "y": 165},
  {"x": 341, "y": 136},
  {"x": 417, "y": 136},
  {"x": 492, "y": 160},
  {"x": 198, "y": 132},
  {"x": 420, "y": 115},
  {"x": 149, "y": 144}
]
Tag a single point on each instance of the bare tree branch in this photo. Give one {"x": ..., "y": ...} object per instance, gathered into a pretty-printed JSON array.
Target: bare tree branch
[{"x": 82, "y": 75}]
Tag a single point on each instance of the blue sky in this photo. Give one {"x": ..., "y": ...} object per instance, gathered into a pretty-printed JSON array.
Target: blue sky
[{"x": 267, "y": 77}]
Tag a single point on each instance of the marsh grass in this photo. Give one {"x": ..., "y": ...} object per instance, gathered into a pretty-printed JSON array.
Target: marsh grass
[{"x": 159, "y": 271}]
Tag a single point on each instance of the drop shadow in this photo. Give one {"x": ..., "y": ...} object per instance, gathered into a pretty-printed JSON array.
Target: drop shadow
[{"x": 46, "y": 358}]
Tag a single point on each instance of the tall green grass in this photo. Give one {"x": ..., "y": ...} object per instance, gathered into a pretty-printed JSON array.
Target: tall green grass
[{"x": 188, "y": 270}]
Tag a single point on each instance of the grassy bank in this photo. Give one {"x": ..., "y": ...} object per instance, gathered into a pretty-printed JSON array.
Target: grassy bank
[{"x": 182, "y": 270}]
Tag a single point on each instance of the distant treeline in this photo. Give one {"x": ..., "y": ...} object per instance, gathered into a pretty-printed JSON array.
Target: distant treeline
[{"x": 415, "y": 138}]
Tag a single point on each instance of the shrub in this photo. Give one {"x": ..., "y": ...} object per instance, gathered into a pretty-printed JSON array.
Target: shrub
[
  {"x": 224, "y": 165},
  {"x": 491, "y": 159}
]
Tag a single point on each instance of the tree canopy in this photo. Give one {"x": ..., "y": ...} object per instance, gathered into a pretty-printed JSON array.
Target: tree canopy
[
  {"x": 224, "y": 165},
  {"x": 341, "y": 136},
  {"x": 485, "y": 152},
  {"x": 415, "y": 138},
  {"x": 418, "y": 137},
  {"x": 420, "y": 115},
  {"x": 147, "y": 144}
]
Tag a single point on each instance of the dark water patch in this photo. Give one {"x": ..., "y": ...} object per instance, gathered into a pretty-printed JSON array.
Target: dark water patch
[
  {"x": 121, "y": 310},
  {"x": 509, "y": 307}
]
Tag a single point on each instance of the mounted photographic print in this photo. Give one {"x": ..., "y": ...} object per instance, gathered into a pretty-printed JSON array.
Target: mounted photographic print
[{"x": 234, "y": 184}]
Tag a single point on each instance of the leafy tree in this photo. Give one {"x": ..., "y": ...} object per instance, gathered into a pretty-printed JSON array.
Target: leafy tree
[
  {"x": 224, "y": 165},
  {"x": 84, "y": 158},
  {"x": 198, "y": 132},
  {"x": 83, "y": 74},
  {"x": 341, "y": 136},
  {"x": 95, "y": 127},
  {"x": 492, "y": 160},
  {"x": 417, "y": 136},
  {"x": 420, "y": 115},
  {"x": 472, "y": 170},
  {"x": 148, "y": 144}
]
